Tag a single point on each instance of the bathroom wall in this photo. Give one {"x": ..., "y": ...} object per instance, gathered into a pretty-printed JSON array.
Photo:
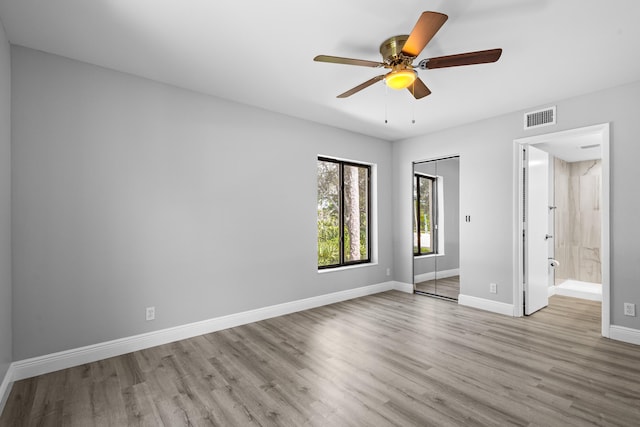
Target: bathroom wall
[{"x": 578, "y": 220}]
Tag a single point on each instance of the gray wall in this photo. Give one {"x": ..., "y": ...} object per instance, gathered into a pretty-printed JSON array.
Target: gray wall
[
  {"x": 488, "y": 194},
  {"x": 448, "y": 169},
  {"x": 5, "y": 205},
  {"x": 129, "y": 193}
]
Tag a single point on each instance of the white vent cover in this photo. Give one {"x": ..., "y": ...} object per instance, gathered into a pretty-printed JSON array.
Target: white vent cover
[{"x": 544, "y": 117}]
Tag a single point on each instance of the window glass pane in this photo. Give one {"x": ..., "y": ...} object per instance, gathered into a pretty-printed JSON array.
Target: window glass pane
[
  {"x": 426, "y": 214},
  {"x": 416, "y": 213},
  {"x": 363, "y": 190},
  {"x": 356, "y": 181},
  {"x": 328, "y": 213}
]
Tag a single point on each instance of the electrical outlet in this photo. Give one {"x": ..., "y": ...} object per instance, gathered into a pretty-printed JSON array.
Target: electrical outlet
[
  {"x": 388, "y": 272},
  {"x": 151, "y": 313},
  {"x": 493, "y": 288},
  {"x": 629, "y": 309}
]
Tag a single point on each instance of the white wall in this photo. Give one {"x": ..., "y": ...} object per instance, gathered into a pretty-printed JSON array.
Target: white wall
[
  {"x": 487, "y": 194},
  {"x": 130, "y": 193},
  {"x": 5, "y": 206}
]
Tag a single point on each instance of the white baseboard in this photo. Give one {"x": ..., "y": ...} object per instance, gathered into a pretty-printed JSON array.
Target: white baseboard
[
  {"x": 403, "y": 287},
  {"x": 621, "y": 333},
  {"x": 578, "y": 294},
  {"x": 5, "y": 387},
  {"x": 486, "y": 304},
  {"x": 66, "y": 359},
  {"x": 551, "y": 291},
  {"x": 432, "y": 275}
]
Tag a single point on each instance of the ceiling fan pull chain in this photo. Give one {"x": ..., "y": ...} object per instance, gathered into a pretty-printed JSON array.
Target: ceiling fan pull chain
[
  {"x": 386, "y": 97},
  {"x": 413, "y": 104}
]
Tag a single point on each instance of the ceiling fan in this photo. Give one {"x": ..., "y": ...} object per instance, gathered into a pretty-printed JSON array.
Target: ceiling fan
[{"x": 399, "y": 52}]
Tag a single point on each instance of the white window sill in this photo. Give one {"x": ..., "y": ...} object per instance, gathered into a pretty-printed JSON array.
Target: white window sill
[
  {"x": 346, "y": 267},
  {"x": 428, "y": 256}
]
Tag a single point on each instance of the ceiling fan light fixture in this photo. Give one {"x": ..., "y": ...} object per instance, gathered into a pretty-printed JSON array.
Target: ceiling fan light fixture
[{"x": 400, "y": 79}]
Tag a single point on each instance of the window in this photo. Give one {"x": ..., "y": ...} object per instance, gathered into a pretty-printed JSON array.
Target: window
[
  {"x": 343, "y": 213},
  {"x": 425, "y": 223}
]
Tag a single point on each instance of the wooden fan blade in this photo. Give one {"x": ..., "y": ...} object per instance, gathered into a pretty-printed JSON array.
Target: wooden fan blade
[
  {"x": 347, "y": 61},
  {"x": 427, "y": 26},
  {"x": 418, "y": 89},
  {"x": 469, "y": 58},
  {"x": 361, "y": 86}
]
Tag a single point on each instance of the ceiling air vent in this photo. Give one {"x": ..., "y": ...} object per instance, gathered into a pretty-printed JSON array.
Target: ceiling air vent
[{"x": 539, "y": 118}]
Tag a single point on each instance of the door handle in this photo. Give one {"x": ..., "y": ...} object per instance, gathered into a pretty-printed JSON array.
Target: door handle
[{"x": 548, "y": 236}]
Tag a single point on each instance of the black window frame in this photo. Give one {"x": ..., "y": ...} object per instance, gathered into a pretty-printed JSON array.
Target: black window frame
[
  {"x": 434, "y": 213},
  {"x": 341, "y": 164}
]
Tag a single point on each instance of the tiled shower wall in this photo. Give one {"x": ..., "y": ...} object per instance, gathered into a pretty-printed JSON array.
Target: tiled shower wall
[{"x": 577, "y": 220}]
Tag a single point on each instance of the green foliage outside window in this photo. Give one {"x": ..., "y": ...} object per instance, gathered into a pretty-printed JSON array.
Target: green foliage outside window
[{"x": 423, "y": 211}]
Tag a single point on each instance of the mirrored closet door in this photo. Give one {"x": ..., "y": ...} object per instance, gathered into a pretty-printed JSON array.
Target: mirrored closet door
[{"x": 436, "y": 227}]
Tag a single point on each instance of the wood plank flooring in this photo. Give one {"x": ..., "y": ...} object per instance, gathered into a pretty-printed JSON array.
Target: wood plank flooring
[
  {"x": 388, "y": 359},
  {"x": 448, "y": 287}
]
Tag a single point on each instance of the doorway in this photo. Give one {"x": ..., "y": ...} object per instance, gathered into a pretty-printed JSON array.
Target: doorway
[
  {"x": 436, "y": 227},
  {"x": 542, "y": 233}
]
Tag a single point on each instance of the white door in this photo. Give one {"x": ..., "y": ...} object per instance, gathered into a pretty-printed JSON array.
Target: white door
[{"x": 536, "y": 222}]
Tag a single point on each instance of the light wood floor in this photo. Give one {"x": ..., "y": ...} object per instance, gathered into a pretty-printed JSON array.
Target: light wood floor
[
  {"x": 386, "y": 359},
  {"x": 448, "y": 287}
]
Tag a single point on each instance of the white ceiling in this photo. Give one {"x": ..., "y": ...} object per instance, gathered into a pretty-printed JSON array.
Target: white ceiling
[
  {"x": 261, "y": 52},
  {"x": 574, "y": 148},
  {"x": 573, "y": 145}
]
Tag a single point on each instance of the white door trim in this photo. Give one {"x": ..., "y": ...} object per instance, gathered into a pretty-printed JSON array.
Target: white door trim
[{"x": 603, "y": 131}]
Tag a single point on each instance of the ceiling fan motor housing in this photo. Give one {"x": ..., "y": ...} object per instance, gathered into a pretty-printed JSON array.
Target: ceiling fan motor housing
[{"x": 391, "y": 50}]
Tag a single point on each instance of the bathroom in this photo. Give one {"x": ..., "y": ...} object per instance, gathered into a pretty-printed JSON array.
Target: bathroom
[{"x": 575, "y": 222}]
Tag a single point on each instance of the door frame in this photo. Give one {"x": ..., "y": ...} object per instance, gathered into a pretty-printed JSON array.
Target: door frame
[{"x": 603, "y": 130}]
